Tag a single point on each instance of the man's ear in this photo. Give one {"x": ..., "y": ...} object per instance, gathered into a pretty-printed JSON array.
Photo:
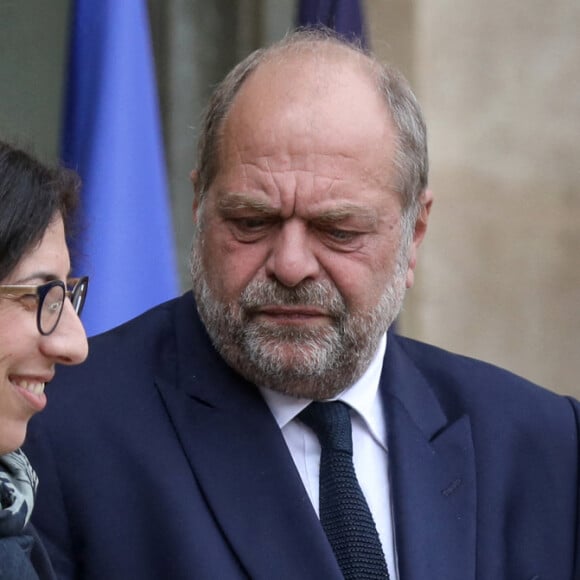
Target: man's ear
[
  {"x": 194, "y": 177},
  {"x": 419, "y": 232}
]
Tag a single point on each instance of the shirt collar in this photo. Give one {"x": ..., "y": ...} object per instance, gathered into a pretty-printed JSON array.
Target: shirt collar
[{"x": 362, "y": 397}]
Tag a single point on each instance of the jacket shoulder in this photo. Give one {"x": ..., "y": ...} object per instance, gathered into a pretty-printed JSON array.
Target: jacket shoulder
[
  {"x": 130, "y": 351},
  {"x": 463, "y": 383}
]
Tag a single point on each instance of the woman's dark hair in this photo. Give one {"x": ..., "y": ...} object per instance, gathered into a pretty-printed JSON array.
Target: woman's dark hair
[{"x": 32, "y": 195}]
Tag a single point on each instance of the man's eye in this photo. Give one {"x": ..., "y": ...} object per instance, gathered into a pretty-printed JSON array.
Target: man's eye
[
  {"x": 250, "y": 229},
  {"x": 339, "y": 235},
  {"x": 252, "y": 223}
]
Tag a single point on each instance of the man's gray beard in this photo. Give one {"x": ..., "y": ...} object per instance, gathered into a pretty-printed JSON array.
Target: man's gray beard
[{"x": 314, "y": 363}]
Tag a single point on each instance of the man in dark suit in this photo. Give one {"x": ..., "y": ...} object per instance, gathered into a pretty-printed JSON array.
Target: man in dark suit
[{"x": 181, "y": 448}]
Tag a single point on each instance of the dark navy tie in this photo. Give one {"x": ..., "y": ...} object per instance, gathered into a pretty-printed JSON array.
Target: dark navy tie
[{"x": 344, "y": 512}]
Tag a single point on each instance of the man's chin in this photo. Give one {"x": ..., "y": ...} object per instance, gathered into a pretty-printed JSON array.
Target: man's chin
[
  {"x": 300, "y": 381},
  {"x": 289, "y": 333},
  {"x": 289, "y": 356}
]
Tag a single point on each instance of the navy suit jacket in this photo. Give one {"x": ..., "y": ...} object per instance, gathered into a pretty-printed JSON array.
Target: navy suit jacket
[{"x": 156, "y": 460}]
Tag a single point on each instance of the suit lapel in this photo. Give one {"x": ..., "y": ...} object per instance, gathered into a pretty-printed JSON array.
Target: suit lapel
[
  {"x": 240, "y": 461},
  {"x": 433, "y": 476}
]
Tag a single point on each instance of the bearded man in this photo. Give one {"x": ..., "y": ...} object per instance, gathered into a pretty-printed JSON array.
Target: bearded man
[{"x": 268, "y": 424}]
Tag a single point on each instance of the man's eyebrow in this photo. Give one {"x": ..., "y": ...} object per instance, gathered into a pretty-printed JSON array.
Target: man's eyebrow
[
  {"x": 235, "y": 201},
  {"x": 347, "y": 211},
  {"x": 239, "y": 201}
]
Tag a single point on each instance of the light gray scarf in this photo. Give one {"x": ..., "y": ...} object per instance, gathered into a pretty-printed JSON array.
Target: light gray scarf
[{"x": 18, "y": 484}]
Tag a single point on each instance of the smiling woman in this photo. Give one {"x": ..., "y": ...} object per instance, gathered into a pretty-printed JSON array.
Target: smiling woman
[{"x": 39, "y": 328}]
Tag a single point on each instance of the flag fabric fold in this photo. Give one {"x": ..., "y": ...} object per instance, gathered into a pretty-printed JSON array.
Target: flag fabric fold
[
  {"x": 112, "y": 136},
  {"x": 343, "y": 16}
]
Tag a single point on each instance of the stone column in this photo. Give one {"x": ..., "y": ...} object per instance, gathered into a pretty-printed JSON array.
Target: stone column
[{"x": 499, "y": 273}]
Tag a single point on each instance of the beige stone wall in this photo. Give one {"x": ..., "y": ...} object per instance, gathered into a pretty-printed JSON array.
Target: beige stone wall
[{"x": 499, "y": 81}]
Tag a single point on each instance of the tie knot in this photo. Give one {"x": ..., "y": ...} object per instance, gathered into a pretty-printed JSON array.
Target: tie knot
[{"x": 331, "y": 423}]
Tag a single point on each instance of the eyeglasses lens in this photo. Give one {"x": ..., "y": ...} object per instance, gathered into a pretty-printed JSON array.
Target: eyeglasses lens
[
  {"x": 51, "y": 309},
  {"x": 78, "y": 295}
]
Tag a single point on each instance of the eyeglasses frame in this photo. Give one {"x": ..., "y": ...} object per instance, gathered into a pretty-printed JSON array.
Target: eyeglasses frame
[{"x": 41, "y": 291}]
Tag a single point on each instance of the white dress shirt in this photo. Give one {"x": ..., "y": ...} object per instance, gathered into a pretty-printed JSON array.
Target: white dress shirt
[{"x": 370, "y": 453}]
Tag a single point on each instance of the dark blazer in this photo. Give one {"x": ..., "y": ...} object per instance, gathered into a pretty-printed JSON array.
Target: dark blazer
[{"x": 156, "y": 460}]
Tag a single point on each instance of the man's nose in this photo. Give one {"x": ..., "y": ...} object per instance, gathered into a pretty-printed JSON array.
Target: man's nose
[{"x": 291, "y": 259}]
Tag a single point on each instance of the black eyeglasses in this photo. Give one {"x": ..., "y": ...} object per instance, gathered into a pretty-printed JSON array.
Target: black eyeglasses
[{"x": 50, "y": 299}]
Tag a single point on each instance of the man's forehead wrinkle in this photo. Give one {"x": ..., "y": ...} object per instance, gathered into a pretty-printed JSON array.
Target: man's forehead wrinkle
[
  {"x": 271, "y": 173},
  {"x": 278, "y": 178},
  {"x": 239, "y": 156},
  {"x": 279, "y": 163}
]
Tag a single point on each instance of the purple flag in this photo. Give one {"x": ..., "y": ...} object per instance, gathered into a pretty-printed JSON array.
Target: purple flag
[{"x": 343, "y": 16}]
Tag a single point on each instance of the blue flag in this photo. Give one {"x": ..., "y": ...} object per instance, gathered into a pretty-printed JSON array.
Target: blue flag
[
  {"x": 344, "y": 16},
  {"x": 112, "y": 137}
]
